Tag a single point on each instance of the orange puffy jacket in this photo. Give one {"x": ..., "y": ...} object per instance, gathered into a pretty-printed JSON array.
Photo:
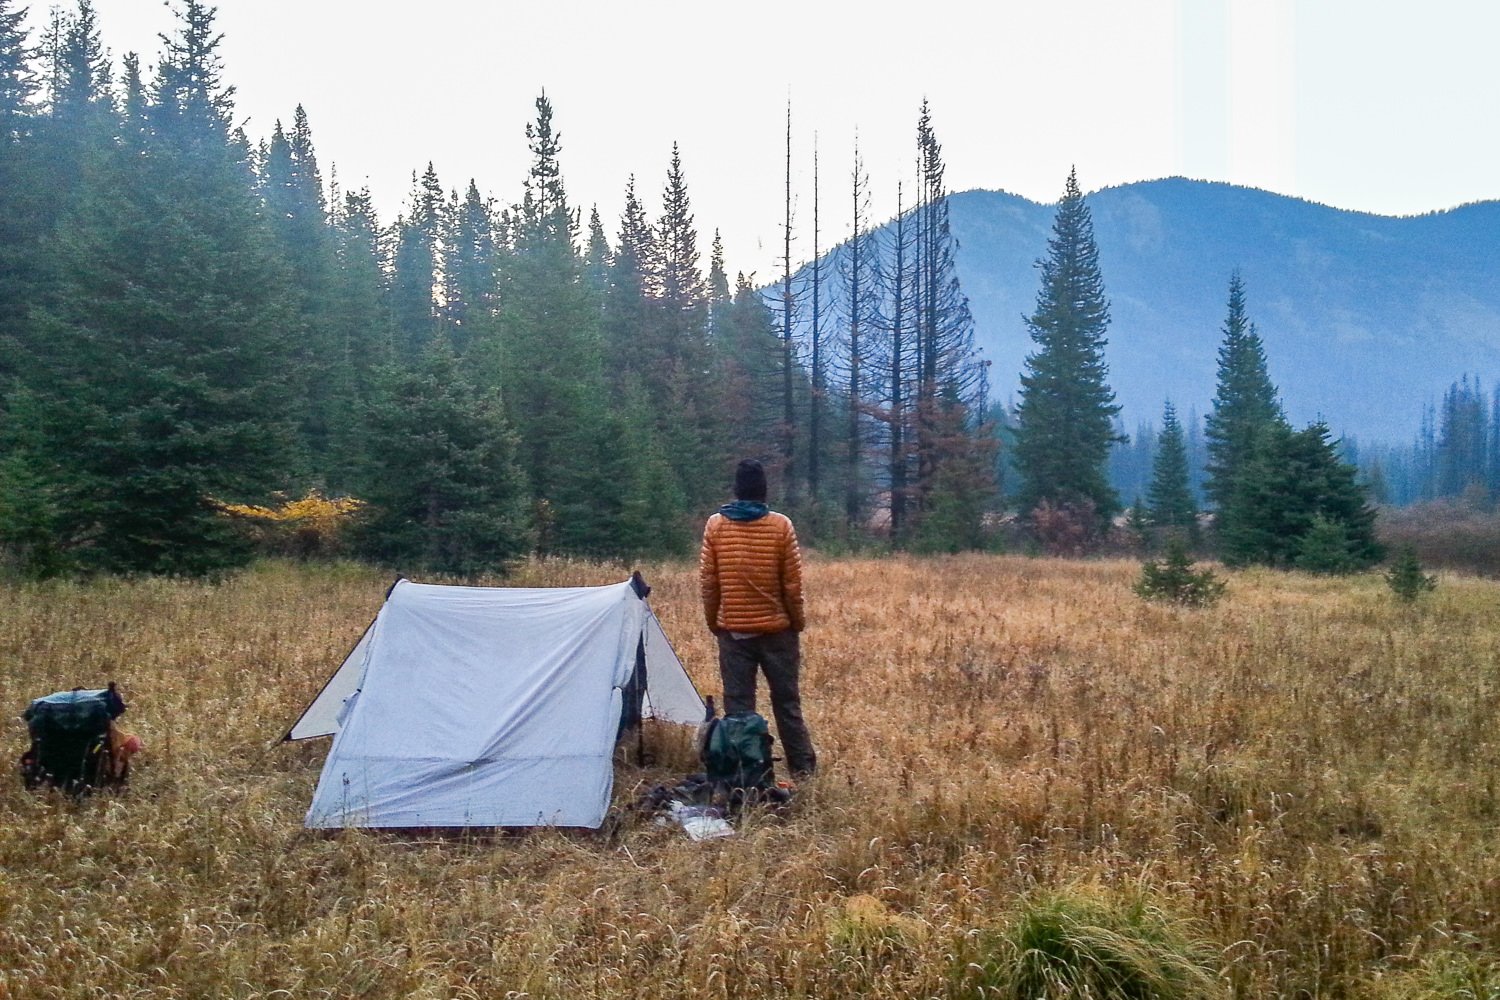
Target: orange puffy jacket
[{"x": 750, "y": 575}]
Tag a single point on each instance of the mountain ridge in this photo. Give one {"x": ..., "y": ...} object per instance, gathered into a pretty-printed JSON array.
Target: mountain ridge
[{"x": 1365, "y": 318}]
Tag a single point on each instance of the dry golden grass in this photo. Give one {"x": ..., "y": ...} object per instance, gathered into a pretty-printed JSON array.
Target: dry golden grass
[{"x": 1304, "y": 773}]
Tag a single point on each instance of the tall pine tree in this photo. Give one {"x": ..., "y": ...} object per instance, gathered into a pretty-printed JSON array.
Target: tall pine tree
[
  {"x": 1067, "y": 407},
  {"x": 418, "y": 266},
  {"x": 1245, "y": 403},
  {"x": 551, "y": 359}
]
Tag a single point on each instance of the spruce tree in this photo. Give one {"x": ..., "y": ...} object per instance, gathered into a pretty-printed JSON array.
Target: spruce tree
[
  {"x": 1175, "y": 580},
  {"x": 471, "y": 269},
  {"x": 1067, "y": 407},
  {"x": 596, "y": 256},
  {"x": 1245, "y": 404},
  {"x": 551, "y": 354},
  {"x": 748, "y": 358},
  {"x": 80, "y": 106},
  {"x": 1405, "y": 576},
  {"x": 362, "y": 334},
  {"x": 171, "y": 284},
  {"x": 1170, "y": 495},
  {"x": 297, "y": 211},
  {"x": 445, "y": 491},
  {"x": 1462, "y": 445},
  {"x": 1293, "y": 482},
  {"x": 686, "y": 405},
  {"x": 418, "y": 266},
  {"x": 21, "y": 181},
  {"x": 18, "y": 83},
  {"x": 633, "y": 339},
  {"x": 718, "y": 285}
]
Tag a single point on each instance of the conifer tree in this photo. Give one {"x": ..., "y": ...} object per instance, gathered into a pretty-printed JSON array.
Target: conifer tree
[
  {"x": 1245, "y": 404},
  {"x": 551, "y": 360},
  {"x": 1170, "y": 494},
  {"x": 963, "y": 485},
  {"x": 445, "y": 490},
  {"x": 644, "y": 509},
  {"x": 21, "y": 224},
  {"x": 1462, "y": 451},
  {"x": 686, "y": 405},
  {"x": 297, "y": 212},
  {"x": 816, "y": 361},
  {"x": 18, "y": 83},
  {"x": 634, "y": 341},
  {"x": 418, "y": 266},
  {"x": 683, "y": 290},
  {"x": 471, "y": 269},
  {"x": 897, "y": 368},
  {"x": 950, "y": 383},
  {"x": 79, "y": 102},
  {"x": 749, "y": 373},
  {"x": 1067, "y": 407},
  {"x": 718, "y": 285},
  {"x": 596, "y": 256},
  {"x": 1492, "y": 461},
  {"x": 362, "y": 335},
  {"x": 1405, "y": 576},
  {"x": 171, "y": 285},
  {"x": 1295, "y": 481}
]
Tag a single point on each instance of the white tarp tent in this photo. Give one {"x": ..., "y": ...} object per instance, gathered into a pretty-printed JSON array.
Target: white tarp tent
[{"x": 489, "y": 706}]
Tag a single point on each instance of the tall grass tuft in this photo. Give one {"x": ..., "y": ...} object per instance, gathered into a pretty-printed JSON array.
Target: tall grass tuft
[
  {"x": 1446, "y": 975},
  {"x": 1088, "y": 944}
]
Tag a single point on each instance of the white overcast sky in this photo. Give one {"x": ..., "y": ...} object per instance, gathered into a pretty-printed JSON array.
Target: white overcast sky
[{"x": 1386, "y": 106}]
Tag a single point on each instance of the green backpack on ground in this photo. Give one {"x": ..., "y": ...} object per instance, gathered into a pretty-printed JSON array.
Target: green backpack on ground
[{"x": 737, "y": 752}]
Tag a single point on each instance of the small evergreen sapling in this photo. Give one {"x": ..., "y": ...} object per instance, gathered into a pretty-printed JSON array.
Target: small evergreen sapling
[
  {"x": 1326, "y": 548},
  {"x": 1405, "y": 577},
  {"x": 1138, "y": 525},
  {"x": 1174, "y": 579}
]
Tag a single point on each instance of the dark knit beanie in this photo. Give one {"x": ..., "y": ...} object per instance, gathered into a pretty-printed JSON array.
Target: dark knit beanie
[{"x": 750, "y": 481}]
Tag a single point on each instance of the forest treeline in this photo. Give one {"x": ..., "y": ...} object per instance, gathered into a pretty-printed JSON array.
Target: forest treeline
[
  {"x": 202, "y": 330},
  {"x": 194, "y": 321}
]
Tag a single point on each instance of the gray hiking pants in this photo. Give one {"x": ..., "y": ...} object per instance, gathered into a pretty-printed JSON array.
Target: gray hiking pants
[{"x": 779, "y": 655}]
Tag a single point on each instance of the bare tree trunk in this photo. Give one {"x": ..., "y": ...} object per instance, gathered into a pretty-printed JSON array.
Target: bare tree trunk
[
  {"x": 788, "y": 357},
  {"x": 814, "y": 423}
]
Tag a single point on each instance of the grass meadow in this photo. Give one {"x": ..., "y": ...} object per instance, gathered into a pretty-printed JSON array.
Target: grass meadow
[{"x": 1290, "y": 794}]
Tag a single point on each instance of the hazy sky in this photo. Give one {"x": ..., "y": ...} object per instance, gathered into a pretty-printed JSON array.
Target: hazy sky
[{"x": 1386, "y": 106}]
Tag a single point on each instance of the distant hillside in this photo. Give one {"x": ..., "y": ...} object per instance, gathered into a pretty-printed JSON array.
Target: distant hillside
[{"x": 1364, "y": 318}]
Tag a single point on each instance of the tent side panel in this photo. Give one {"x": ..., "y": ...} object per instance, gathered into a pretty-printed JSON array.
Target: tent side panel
[
  {"x": 321, "y": 718},
  {"x": 375, "y": 792},
  {"x": 670, "y": 694}
]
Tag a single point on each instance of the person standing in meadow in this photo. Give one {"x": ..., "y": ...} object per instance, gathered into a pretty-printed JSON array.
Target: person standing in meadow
[{"x": 750, "y": 576}]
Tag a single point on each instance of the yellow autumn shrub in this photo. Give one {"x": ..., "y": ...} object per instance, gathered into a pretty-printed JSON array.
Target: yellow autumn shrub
[{"x": 309, "y": 527}]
